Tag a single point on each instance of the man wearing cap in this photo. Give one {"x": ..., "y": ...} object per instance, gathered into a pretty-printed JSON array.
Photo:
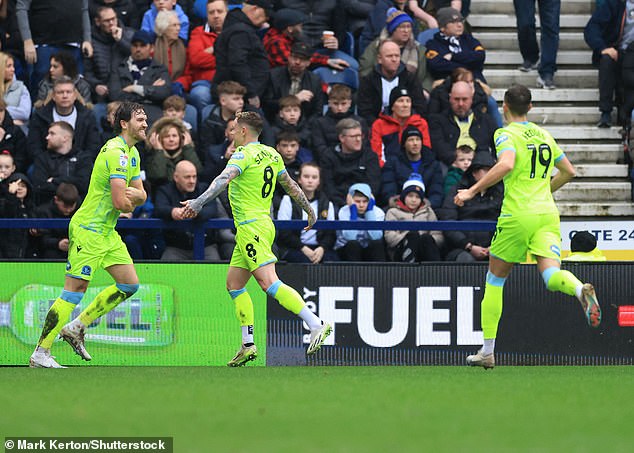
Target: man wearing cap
[
  {"x": 415, "y": 158},
  {"x": 452, "y": 48},
  {"x": 389, "y": 72},
  {"x": 360, "y": 245},
  {"x": 398, "y": 28},
  {"x": 460, "y": 125},
  {"x": 385, "y": 136},
  {"x": 287, "y": 30},
  {"x": 141, "y": 79},
  {"x": 349, "y": 162},
  {"x": 295, "y": 79},
  {"x": 240, "y": 54}
]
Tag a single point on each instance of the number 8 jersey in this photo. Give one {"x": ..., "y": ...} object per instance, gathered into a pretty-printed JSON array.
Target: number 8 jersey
[
  {"x": 251, "y": 193},
  {"x": 527, "y": 186}
]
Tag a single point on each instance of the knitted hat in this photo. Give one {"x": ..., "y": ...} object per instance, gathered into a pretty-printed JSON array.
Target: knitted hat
[
  {"x": 395, "y": 18},
  {"x": 287, "y": 17},
  {"x": 583, "y": 241},
  {"x": 447, "y": 15},
  {"x": 398, "y": 92},
  {"x": 482, "y": 159},
  {"x": 264, "y": 4},
  {"x": 410, "y": 131},
  {"x": 360, "y": 187},
  {"x": 302, "y": 50},
  {"x": 413, "y": 184}
]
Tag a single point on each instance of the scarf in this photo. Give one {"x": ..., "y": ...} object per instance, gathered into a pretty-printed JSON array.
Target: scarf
[
  {"x": 137, "y": 68},
  {"x": 453, "y": 43},
  {"x": 172, "y": 56}
]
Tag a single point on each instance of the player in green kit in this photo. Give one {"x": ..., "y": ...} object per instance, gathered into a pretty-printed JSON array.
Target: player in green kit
[
  {"x": 115, "y": 187},
  {"x": 251, "y": 174},
  {"x": 529, "y": 219}
]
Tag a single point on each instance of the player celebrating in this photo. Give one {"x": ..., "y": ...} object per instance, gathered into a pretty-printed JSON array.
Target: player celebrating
[
  {"x": 251, "y": 174},
  {"x": 529, "y": 219},
  {"x": 115, "y": 187}
]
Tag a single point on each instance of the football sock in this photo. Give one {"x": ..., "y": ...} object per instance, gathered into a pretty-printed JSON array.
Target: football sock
[
  {"x": 105, "y": 301},
  {"x": 492, "y": 305},
  {"x": 562, "y": 281},
  {"x": 286, "y": 296},
  {"x": 57, "y": 316},
  {"x": 489, "y": 346},
  {"x": 247, "y": 335},
  {"x": 244, "y": 309}
]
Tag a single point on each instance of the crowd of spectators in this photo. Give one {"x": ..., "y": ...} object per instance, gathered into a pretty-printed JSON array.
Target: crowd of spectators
[{"x": 376, "y": 107}]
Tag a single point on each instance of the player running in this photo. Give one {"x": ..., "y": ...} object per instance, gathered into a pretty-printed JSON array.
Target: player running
[
  {"x": 529, "y": 219},
  {"x": 115, "y": 187},
  {"x": 251, "y": 174}
]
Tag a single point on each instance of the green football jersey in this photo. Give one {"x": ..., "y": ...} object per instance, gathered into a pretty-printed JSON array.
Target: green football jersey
[
  {"x": 251, "y": 193},
  {"x": 115, "y": 160},
  {"x": 527, "y": 186}
]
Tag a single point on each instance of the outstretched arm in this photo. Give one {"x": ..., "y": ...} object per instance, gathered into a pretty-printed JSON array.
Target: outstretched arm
[
  {"x": 193, "y": 207},
  {"x": 297, "y": 194}
]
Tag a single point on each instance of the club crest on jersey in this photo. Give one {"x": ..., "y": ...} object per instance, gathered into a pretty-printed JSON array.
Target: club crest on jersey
[
  {"x": 123, "y": 160},
  {"x": 86, "y": 270},
  {"x": 501, "y": 139}
]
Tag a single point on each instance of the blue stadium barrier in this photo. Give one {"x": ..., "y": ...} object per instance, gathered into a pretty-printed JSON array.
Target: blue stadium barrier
[{"x": 199, "y": 230}]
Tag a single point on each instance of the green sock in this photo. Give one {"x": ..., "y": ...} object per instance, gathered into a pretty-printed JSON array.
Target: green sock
[
  {"x": 244, "y": 308},
  {"x": 56, "y": 317},
  {"x": 491, "y": 310},
  {"x": 565, "y": 282},
  {"x": 287, "y": 297},
  {"x": 105, "y": 301}
]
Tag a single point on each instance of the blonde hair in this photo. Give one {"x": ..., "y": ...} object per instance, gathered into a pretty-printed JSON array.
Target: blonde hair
[{"x": 4, "y": 58}]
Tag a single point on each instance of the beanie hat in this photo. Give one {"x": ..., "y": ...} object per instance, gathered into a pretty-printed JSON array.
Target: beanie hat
[
  {"x": 396, "y": 93},
  {"x": 482, "y": 159},
  {"x": 287, "y": 17},
  {"x": 447, "y": 15},
  {"x": 395, "y": 18},
  {"x": 413, "y": 184},
  {"x": 410, "y": 131},
  {"x": 583, "y": 241}
]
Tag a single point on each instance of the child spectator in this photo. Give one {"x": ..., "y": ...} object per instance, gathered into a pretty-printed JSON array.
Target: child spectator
[
  {"x": 312, "y": 246},
  {"x": 53, "y": 243},
  {"x": 107, "y": 122},
  {"x": 174, "y": 107},
  {"x": 12, "y": 139},
  {"x": 360, "y": 245},
  {"x": 216, "y": 156},
  {"x": 16, "y": 203},
  {"x": 7, "y": 168},
  {"x": 290, "y": 119},
  {"x": 287, "y": 144},
  {"x": 464, "y": 157},
  {"x": 324, "y": 128},
  {"x": 149, "y": 18},
  {"x": 230, "y": 100},
  {"x": 413, "y": 246},
  {"x": 583, "y": 247}
]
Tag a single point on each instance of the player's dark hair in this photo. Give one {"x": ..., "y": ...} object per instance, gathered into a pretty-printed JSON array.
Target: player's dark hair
[
  {"x": 124, "y": 113},
  {"x": 67, "y": 193},
  {"x": 518, "y": 99},
  {"x": 252, "y": 120},
  {"x": 287, "y": 135}
]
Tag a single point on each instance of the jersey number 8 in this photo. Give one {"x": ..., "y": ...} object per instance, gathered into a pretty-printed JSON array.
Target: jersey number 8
[{"x": 268, "y": 181}]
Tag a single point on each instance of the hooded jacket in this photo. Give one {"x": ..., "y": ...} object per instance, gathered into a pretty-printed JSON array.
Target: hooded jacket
[{"x": 385, "y": 137}]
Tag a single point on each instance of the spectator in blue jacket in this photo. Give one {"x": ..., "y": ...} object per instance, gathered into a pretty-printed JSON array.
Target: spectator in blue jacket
[
  {"x": 149, "y": 17},
  {"x": 452, "y": 48}
]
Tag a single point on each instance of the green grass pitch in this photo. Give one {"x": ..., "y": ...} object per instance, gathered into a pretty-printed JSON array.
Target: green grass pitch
[{"x": 329, "y": 409}]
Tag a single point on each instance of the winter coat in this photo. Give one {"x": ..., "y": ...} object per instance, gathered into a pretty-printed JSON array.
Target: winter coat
[
  {"x": 439, "y": 98},
  {"x": 324, "y": 131},
  {"x": 18, "y": 101},
  {"x": 385, "y": 137},
  {"x": 340, "y": 170},
  {"x": 149, "y": 18},
  {"x": 471, "y": 56},
  {"x": 46, "y": 86},
  {"x": 397, "y": 170},
  {"x": 370, "y": 97},
  {"x": 125, "y": 9},
  {"x": 240, "y": 55},
  {"x": 15, "y": 242},
  {"x": 159, "y": 168},
  {"x": 320, "y": 15},
  {"x": 605, "y": 27},
  {"x": 74, "y": 167},
  {"x": 362, "y": 236},
  {"x": 280, "y": 86},
  {"x": 302, "y": 129},
  {"x": 107, "y": 55},
  {"x": 376, "y": 22},
  {"x": 121, "y": 77},
  {"x": 200, "y": 65},
  {"x": 445, "y": 134},
  {"x": 86, "y": 136},
  {"x": 425, "y": 213},
  {"x": 48, "y": 239},
  {"x": 14, "y": 141},
  {"x": 480, "y": 207}
]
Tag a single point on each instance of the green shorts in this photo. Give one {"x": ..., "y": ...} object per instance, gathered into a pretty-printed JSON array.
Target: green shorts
[
  {"x": 89, "y": 251},
  {"x": 538, "y": 235},
  {"x": 254, "y": 241}
]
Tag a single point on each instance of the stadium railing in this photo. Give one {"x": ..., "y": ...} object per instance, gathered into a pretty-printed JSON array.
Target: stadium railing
[{"x": 199, "y": 229}]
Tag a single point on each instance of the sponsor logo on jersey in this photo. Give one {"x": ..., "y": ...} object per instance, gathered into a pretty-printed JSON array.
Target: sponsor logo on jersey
[
  {"x": 238, "y": 156},
  {"x": 501, "y": 139},
  {"x": 123, "y": 160}
]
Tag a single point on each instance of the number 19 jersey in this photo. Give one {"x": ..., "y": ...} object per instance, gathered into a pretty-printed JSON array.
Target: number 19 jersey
[
  {"x": 251, "y": 193},
  {"x": 527, "y": 186}
]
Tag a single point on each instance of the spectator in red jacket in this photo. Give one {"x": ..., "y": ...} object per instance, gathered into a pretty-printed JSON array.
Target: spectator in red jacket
[
  {"x": 286, "y": 30},
  {"x": 385, "y": 137},
  {"x": 201, "y": 59}
]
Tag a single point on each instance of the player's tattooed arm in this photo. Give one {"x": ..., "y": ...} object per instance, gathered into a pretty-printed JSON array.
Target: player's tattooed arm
[
  {"x": 297, "y": 194},
  {"x": 220, "y": 183}
]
